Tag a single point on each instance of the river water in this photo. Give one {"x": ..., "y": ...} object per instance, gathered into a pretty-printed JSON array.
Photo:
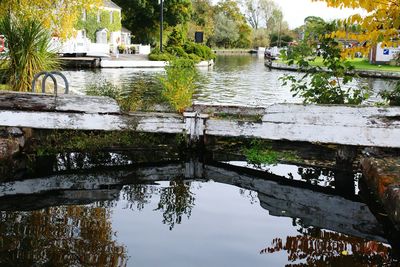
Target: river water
[{"x": 237, "y": 80}]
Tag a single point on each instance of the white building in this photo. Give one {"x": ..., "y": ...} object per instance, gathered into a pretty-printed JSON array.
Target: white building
[{"x": 382, "y": 55}]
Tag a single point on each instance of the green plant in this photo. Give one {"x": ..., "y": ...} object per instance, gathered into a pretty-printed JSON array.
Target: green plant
[
  {"x": 323, "y": 85},
  {"x": 261, "y": 153},
  {"x": 28, "y": 44},
  {"x": 141, "y": 95},
  {"x": 104, "y": 88},
  {"x": 121, "y": 48},
  {"x": 91, "y": 24},
  {"x": 392, "y": 96},
  {"x": 178, "y": 84}
]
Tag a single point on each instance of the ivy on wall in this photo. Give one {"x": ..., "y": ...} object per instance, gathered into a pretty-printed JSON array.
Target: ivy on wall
[{"x": 91, "y": 25}]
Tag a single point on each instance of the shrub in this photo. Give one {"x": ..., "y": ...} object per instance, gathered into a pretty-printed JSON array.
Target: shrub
[
  {"x": 179, "y": 83},
  {"x": 104, "y": 88},
  {"x": 177, "y": 51},
  {"x": 28, "y": 54},
  {"x": 392, "y": 96}
]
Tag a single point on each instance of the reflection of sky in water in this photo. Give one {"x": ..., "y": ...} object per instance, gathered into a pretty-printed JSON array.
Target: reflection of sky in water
[
  {"x": 224, "y": 229},
  {"x": 237, "y": 80}
]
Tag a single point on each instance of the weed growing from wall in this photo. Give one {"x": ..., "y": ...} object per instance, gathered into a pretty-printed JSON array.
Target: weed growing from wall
[{"x": 178, "y": 85}]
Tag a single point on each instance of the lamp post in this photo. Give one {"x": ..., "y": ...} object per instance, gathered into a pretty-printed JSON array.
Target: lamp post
[{"x": 161, "y": 22}]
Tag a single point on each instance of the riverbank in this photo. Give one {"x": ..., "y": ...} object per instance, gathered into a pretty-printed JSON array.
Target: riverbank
[
  {"x": 122, "y": 61},
  {"x": 234, "y": 51},
  {"x": 372, "y": 73}
]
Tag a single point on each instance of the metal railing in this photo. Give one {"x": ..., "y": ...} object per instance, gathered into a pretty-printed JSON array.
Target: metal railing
[{"x": 52, "y": 75}]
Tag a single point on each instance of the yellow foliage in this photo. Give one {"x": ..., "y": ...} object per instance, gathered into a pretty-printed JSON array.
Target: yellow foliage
[
  {"x": 58, "y": 16},
  {"x": 381, "y": 24}
]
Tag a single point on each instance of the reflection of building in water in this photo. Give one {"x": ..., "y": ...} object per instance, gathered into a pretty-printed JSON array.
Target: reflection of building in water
[
  {"x": 322, "y": 248},
  {"x": 59, "y": 236}
]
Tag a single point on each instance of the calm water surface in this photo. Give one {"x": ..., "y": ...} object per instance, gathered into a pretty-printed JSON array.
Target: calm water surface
[
  {"x": 238, "y": 80},
  {"x": 165, "y": 215}
]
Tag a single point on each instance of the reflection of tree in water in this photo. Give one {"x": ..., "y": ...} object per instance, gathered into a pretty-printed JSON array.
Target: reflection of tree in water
[
  {"x": 249, "y": 194},
  {"x": 315, "y": 175},
  {"x": 176, "y": 200},
  {"x": 138, "y": 195},
  {"x": 323, "y": 248},
  {"x": 59, "y": 236}
]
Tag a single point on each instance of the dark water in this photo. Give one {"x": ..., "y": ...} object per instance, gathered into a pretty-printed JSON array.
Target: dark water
[
  {"x": 238, "y": 80},
  {"x": 186, "y": 214}
]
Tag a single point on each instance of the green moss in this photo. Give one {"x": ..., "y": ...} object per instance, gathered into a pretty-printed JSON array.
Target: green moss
[
  {"x": 259, "y": 154},
  {"x": 54, "y": 142}
]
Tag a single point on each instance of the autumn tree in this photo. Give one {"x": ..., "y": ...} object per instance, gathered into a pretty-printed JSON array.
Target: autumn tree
[
  {"x": 380, "y": 24},
  {"x": 59, "y": 16}
]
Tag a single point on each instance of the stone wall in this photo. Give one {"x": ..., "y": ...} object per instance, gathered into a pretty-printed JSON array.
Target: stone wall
[{"x": 12, "y": 141}]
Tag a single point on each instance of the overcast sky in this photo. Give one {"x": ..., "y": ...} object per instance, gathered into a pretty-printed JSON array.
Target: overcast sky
[{"x": 294, "y": 11}]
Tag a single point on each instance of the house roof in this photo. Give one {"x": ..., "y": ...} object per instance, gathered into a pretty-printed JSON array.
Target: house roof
[
  {"x": 125, "y": 30},
  {"x": 111, "y": 4}
]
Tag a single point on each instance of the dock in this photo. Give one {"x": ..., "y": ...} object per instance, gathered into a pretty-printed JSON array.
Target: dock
[
  {"x": 122, "y": 61},
  {"x": 360, "y": 73}
]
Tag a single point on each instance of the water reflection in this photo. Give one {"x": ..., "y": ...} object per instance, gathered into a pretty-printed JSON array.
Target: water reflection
[
  {"x": 318, "y": 247},
  {"x": 59, "y": 236},
  {"x": 223, "y": 219}
]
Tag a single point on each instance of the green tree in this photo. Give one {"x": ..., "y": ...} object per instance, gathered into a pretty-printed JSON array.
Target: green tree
[
  {"x": 318, "y": 85},
  {"x": 28, "y": 44},
  {"x": 228, "y": 14},
  {"x": 202, "y": 19},
  {"x": 226, "y": 31},
  {"x": 143, "y": 17},
  {"x": 59, "y": 17}
]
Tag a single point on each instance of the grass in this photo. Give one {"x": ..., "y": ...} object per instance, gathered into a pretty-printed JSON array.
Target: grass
[{"x": 363, "y": 64}]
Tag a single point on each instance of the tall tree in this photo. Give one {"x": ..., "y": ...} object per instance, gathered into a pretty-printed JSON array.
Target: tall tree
[
  {"x": 226, "y": 31},
  {"x": 231, "y": 15},
  {"x": 202, "y": 19},
  {"x": 59, "y": 16},
  {"x": 143, "y": 17},
  {"x": 258, "y": 12}
]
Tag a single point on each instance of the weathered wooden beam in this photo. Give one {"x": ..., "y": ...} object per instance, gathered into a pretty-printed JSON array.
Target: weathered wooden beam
[
  {"x": 64, "y": 103},
  {"x": 81, "y": 121},
  {"x": 359, "y": 126}
]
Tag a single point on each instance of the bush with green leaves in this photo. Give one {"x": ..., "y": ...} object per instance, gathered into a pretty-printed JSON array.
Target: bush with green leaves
[
  {"x": 178, "y": 85},
  {"x": 28, "y": 51},
  {"x": 327, "y": 84},
  {"x": 178, "y": 47},
  {"x": 392, "y": 96},
  {"x": 141, "y": 95}
]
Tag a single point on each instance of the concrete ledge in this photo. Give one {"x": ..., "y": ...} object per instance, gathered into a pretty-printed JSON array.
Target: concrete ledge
[
  {"x": 143, "y": 64},
  {"x": 361, "y": 73}
]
